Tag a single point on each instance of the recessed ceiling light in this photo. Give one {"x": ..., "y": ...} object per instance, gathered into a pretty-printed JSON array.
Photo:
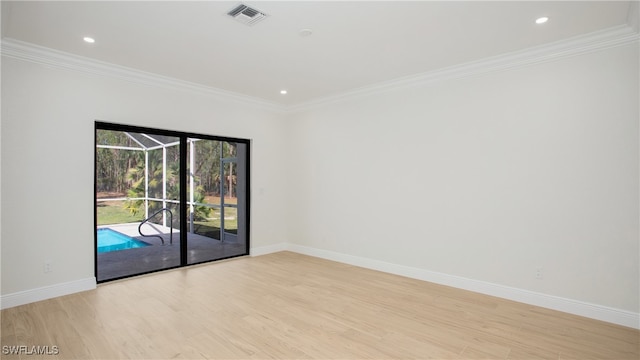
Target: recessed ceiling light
[
  {"x": 90, "y": 40},
  {"x": 283, "y": 92},
  {"x": 542, "y": 20}
]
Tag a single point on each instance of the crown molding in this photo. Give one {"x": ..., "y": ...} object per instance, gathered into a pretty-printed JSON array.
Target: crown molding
[
  {"x": 595, "y": 41},
  {"x": 25, "y": 51}
]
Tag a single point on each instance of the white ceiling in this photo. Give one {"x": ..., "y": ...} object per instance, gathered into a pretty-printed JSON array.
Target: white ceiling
[{"x": 353, "y": 45}]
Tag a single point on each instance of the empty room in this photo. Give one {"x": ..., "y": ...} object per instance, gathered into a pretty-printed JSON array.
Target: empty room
[{"x": 320, "y": 180}]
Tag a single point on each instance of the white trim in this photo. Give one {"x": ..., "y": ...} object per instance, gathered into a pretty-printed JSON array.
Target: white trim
[
  {"x": 595, "y": 41},
  {"x": 593, "y": 311},
  {"x": 612, "y": 37},
  {"x": 46, "y": 292},
  {"x": 268, "y": 249},
  {"x": 62, "y": 60}
]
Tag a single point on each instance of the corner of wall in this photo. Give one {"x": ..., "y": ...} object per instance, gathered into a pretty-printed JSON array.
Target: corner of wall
[{"x": 268, "y": 249}]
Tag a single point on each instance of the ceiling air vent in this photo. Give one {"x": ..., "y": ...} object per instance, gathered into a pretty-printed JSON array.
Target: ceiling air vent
[{"x": 246, "y": 15}]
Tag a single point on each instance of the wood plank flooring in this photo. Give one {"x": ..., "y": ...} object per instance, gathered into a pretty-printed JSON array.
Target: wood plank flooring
[{"x": 291, "y": 306}]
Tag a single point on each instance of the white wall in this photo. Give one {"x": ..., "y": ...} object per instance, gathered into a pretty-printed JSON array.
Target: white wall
[
  {"x": 486, "y": 178},
  {"x": 48, "y": 162}
]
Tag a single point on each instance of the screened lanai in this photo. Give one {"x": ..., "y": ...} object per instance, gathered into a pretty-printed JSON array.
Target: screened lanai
[{"x": 139, "y": 199}]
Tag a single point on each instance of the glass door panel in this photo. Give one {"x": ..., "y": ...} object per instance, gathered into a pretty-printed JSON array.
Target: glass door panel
[
  {"x": 137, "y": 190},
  {"x": 212, "y": 201},
  {"x": 166, "y": 199}
]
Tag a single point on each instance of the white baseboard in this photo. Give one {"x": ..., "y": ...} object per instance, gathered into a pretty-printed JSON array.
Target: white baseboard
[
  {"x": 264, "y": 250},
  {"x": 46, "y": 292},
  {"x": 593, "y": 311}
]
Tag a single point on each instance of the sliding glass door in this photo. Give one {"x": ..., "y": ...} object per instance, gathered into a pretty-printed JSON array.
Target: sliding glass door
[
  {"x": 217, "y": 200},
  {"x": 167, "y": 199}
]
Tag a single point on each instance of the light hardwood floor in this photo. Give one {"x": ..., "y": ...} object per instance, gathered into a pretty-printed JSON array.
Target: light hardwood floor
[{"x": 291, "y": 306}]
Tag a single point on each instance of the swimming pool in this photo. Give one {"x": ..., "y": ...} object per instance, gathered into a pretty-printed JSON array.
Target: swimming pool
[{"x": 111, "y": 240}]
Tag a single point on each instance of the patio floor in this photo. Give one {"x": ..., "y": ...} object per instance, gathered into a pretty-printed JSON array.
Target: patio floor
[{"x": 116, "y": 264}]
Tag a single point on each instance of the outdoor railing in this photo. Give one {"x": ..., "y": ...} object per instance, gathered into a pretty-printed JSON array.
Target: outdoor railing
[{"x": 158, "y": 236}]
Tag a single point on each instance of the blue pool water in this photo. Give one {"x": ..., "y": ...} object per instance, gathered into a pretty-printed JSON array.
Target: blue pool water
[{"x": 111, "y": 240}]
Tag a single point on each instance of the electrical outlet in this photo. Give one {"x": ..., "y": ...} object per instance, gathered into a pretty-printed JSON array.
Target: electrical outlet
[
  {"x": 539, "y": 273},
  {"x": 47, "y": 266}
]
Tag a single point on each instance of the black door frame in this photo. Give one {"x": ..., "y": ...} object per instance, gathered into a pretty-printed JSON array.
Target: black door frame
[{"x": 100, "y": 125}]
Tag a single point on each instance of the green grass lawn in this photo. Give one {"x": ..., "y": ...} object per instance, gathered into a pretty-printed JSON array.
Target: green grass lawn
[
  {"x": 115, "y": 213},
  {"x": 211, "y": 226},
  {"x": 230, "y": 221}
]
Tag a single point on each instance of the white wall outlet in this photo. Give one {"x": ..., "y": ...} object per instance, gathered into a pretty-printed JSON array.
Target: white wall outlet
[
  {"x": 539, "y": 273},
  {"x": 48, "y": 266}
]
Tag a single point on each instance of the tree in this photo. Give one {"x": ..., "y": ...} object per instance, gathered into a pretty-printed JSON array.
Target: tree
[
  {"x": 112, "y": 164},
  {"x": 136, "y": 176}
]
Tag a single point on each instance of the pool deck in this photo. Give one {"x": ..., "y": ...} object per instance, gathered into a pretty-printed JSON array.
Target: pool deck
[{"x": 116, "y": 264}]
